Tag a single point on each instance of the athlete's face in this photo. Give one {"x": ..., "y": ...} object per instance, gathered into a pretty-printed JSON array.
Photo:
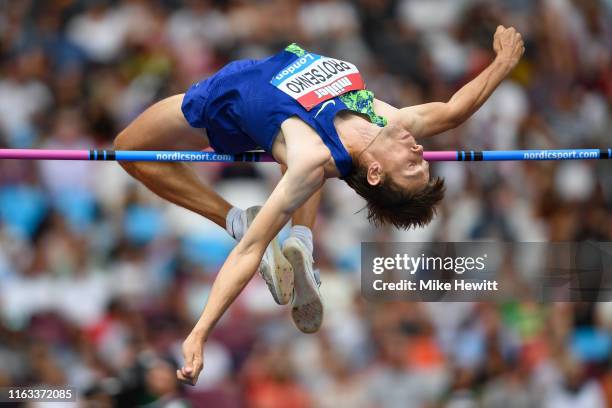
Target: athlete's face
[{"x": 400, "y": 158}]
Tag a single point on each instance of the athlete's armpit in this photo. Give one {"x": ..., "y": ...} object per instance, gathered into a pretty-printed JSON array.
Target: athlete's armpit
[{"x": 421, "y": 120}]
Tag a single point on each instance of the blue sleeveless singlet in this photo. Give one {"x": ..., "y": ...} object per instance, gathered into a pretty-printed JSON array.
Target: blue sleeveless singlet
[{"x": 241, "y": 110}]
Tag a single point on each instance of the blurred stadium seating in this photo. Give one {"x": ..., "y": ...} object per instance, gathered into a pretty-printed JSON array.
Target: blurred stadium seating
[{"x": 100, "y": 280}]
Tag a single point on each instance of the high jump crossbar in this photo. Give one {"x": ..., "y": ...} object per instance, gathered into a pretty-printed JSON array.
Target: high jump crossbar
[{"x": 208, "y": 156}]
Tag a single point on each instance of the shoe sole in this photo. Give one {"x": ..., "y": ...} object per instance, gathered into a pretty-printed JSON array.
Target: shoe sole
[
  {"x": 280, "y": 278},
  {"x": 307, "y": 310}
]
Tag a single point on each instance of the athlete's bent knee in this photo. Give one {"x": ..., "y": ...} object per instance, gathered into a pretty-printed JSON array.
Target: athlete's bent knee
[{"x": 123, "y": 141}]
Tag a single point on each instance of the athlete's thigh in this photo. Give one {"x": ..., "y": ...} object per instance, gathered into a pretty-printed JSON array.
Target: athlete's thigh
[{"x": 162, "y": 127}]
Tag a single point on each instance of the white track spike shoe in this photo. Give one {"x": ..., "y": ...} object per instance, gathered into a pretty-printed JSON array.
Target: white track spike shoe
[
  {"x": 274, "y": 268},
  {"x": 307, "y": 308}
]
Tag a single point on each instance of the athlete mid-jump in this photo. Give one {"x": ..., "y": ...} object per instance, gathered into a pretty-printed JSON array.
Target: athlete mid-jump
[{"x": 314, "y": 115}]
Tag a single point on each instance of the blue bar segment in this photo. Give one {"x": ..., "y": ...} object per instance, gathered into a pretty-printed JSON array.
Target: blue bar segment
[
  {"x": 564, "y": 154},
  {"x": 173, "y": 156}
]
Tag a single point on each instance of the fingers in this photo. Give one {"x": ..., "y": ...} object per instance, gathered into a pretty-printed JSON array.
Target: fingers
[
  {"x": 188, "y": 374},
  {"x": 192, "y": 355},
  {"x": 508, "y": 38},
  {"x": 183, "y": 378},
  {"x": 520, "y": 44},
  {"x": 501, "y": 29},
  {"x": 185, "y": 374},
  {"x": 197, "y": 367},
  {"x": 508, "y": 31}
]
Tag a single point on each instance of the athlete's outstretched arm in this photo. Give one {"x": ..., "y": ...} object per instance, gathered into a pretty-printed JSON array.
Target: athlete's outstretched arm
[
  {"x": 433, "y": 118},
  {"x": 303, "y": 178}
]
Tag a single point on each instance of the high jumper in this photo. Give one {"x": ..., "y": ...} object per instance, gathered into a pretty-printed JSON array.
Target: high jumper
[{"x": 316, "y": 118}]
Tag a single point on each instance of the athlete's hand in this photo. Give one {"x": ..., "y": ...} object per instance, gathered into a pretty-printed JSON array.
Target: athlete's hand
[
  {"x": 192, "y": 354},
  {"x": 508, "y": 45}
]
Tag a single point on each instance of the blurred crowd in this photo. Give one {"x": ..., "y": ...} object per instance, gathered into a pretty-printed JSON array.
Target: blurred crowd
[{"x": 100, "y": 280}]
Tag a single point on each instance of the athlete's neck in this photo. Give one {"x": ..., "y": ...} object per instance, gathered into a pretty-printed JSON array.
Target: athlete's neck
[{"x": 355, "y": 132}]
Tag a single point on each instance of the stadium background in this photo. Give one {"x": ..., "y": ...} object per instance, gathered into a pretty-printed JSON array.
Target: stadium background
[{"x": 100, "y": 280}]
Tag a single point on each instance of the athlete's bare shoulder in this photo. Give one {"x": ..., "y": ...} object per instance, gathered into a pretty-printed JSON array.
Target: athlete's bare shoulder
[
  {"x": 407, "y": 118},
  {"x": 299, "y": 145}
]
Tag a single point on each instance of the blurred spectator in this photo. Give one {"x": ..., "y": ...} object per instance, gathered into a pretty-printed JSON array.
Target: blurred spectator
[
  {"x": 575, "y": 390},
  {"x": 100, "y": 31}
]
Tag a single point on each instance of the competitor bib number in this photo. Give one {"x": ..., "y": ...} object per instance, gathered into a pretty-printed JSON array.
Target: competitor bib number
[{"x": 313, "y": 79}]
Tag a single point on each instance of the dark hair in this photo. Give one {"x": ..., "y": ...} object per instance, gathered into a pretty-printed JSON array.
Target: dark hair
[{"x": 389, "y": 204}]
